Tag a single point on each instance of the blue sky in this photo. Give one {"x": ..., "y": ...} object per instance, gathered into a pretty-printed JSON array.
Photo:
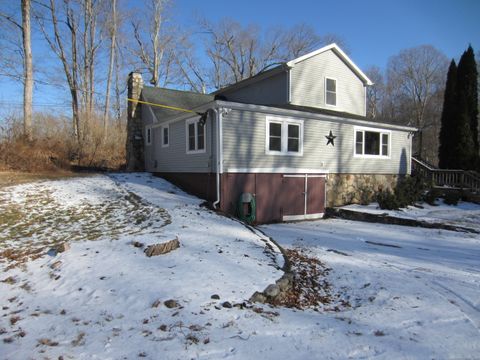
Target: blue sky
[{"x": 373, "y": 30}]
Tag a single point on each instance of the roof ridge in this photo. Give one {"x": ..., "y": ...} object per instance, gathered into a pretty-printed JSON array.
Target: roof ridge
[{"x": 176, "y": 90}]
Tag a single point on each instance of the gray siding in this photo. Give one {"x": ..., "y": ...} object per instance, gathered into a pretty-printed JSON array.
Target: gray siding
[
  {"x": 174, "y": 158},
  {"x": 270, "y": 91},
  {"x": 244, "y": 136},
  {"x": 308, "y": 84}
]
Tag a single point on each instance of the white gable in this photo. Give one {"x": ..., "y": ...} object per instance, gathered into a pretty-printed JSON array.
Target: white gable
[{"x": 334, "y": 47}]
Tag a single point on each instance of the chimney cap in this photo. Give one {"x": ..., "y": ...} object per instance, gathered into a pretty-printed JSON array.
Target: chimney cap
[{"x": 135, "y": 74}]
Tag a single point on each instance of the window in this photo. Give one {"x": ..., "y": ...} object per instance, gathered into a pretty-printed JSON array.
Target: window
[
  {"x": 284, "y": 136},
  {"x": 330, "y": 91},
  {"x": 195, "y": 136},
  {"x": 148, "y": 135},
  {"x": 372, "y": 142},
  {"x": 275, "y": 137},
  {"x": 165, "y": 135}
]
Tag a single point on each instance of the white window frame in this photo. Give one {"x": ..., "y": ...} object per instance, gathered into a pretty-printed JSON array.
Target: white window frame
[
  {"x": 162, "y": 128},
  {"x": 381, "y": 132},
  {"x": 148, "y": 135},
  {"x": 336, "y": 91},
  {"x": 196, "y": 151},
  {"x": 284, "y": 136}
]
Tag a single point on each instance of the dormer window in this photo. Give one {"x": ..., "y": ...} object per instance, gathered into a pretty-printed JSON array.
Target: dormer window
[{"x": 330, "y": 91}]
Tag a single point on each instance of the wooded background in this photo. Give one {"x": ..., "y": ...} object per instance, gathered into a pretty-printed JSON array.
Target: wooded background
[{"x": 94, "y": 44}]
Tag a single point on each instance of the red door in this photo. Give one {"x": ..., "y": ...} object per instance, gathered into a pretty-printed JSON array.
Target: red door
[
  {"x": 315, "y": 194},
  {"x": 303, "y": 196},
  {"x": 293, "y": 196}
]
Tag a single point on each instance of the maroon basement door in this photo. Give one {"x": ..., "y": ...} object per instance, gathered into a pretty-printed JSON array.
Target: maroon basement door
[{"x": 303, "y": 196}]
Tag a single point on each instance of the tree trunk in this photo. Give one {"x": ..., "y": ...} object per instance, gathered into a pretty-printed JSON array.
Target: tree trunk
[
  {"x": 118, "y": 104},
  {"x": 113, "y": 34},
  {"x": 77, "y": 129},
  {"x": 27, "y": 71}
]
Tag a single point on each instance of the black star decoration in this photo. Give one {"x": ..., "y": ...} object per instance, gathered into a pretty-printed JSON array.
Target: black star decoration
[{"x": 330, "y": 138}]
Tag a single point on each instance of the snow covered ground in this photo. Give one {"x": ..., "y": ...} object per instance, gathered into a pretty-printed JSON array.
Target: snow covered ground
[
  {"x": 464, "y": 214},
  {"x": 415, "y": 293},
  {"x": 95, "y": 300}
]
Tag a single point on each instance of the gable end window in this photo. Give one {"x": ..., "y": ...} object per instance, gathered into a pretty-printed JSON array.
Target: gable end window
[
  {"x": 165, "y": 136},
  {"x": 148, "y": 135},
  {"x": 195, "y": 136},
  {"x": 331, "y": 91},
  {"x": 371, "y": 142},
  {"x": 284, "y": 136}
]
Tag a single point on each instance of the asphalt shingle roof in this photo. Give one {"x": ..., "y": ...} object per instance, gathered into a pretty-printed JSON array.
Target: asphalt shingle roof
[{"x": 177, "y": 98}]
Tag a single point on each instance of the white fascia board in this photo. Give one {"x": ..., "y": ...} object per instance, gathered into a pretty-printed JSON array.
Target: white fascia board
[
  {"x": 309, "y": 115},
  {"x": 339, "y": 52}
]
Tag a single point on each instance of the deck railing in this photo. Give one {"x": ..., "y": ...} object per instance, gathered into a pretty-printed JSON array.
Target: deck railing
[{"x": 463, "y": 179}]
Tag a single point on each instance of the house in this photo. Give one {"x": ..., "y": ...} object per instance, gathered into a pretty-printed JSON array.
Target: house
[{"x": 294, "y": 138}]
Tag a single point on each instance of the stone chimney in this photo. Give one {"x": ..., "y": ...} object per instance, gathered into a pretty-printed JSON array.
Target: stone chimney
[{"x": 135, "y": 142}]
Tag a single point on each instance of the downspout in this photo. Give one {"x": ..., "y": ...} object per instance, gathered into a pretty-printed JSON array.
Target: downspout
[{"x": 219, "y": 148}]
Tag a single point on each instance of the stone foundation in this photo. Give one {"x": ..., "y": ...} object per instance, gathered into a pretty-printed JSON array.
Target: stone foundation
[{"x": 343, "y": 189}]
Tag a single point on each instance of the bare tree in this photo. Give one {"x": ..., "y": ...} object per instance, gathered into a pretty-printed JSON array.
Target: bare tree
[
  {"x": 27, "y": 69},
  {"x": 112, "y": 30},
  {"x": 194, "y": 75},
  {"x": 416, "y": 78},
  {"x": 375, "y": 93},
  {"x": 27, "y": 73},
  {"x": 91, "y": 44},
  {"x": 58, "y": 45},
  {"x": 154, "y": 43},
  {"x": 238, "y": 52}
]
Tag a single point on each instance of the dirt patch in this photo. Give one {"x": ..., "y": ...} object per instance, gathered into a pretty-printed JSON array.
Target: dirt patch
[
  {"x": 304, "y": 286},
  {"x": 35, "y": 220}
]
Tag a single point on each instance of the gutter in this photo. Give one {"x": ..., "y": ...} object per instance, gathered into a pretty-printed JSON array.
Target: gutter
[{"x": 219, "y": 149}]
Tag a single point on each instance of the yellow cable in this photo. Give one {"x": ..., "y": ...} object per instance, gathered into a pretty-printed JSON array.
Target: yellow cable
[{"x": 163, "y": 106}]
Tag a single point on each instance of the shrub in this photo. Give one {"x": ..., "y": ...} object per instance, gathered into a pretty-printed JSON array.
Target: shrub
[
  {"x": 365, "y": 195},
  {"x": 431, "y": 196},
  {"x": 452, "y": 197},
  {"x": 408, "y": 191},
  {"x": 387, "y": 200}
]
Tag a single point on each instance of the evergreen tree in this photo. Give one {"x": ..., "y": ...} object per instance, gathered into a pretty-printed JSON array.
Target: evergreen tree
[
  {"x": 463, "y": 149},
  {"x": 446, "y": 160},
  {"x": 467, "y": 94}
]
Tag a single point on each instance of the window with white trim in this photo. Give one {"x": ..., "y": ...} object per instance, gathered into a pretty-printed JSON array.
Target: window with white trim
[
  {"x": 372, "y": 142},
  {"x": 330, "y": 91},
  {"x": 196, "y": 134},
  {"x": 148, "y": 135},
  {"x": 284, "y": 136},
  {"x": 165, "y": 135}
]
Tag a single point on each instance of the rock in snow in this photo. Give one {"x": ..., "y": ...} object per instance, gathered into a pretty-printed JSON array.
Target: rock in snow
[
  {"x": 163, "y": 248},
  {"x": 171, "y": 304}
]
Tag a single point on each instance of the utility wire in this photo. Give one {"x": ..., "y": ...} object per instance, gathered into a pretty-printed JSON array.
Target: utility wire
[
  {"x": 203, "y": 116},
  {"x": 163, "y": 106}
]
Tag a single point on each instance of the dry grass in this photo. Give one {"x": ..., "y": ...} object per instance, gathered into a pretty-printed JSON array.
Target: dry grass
[
  {"x": 54, "y": 146},
  {"x": 11, "y": 178}
]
